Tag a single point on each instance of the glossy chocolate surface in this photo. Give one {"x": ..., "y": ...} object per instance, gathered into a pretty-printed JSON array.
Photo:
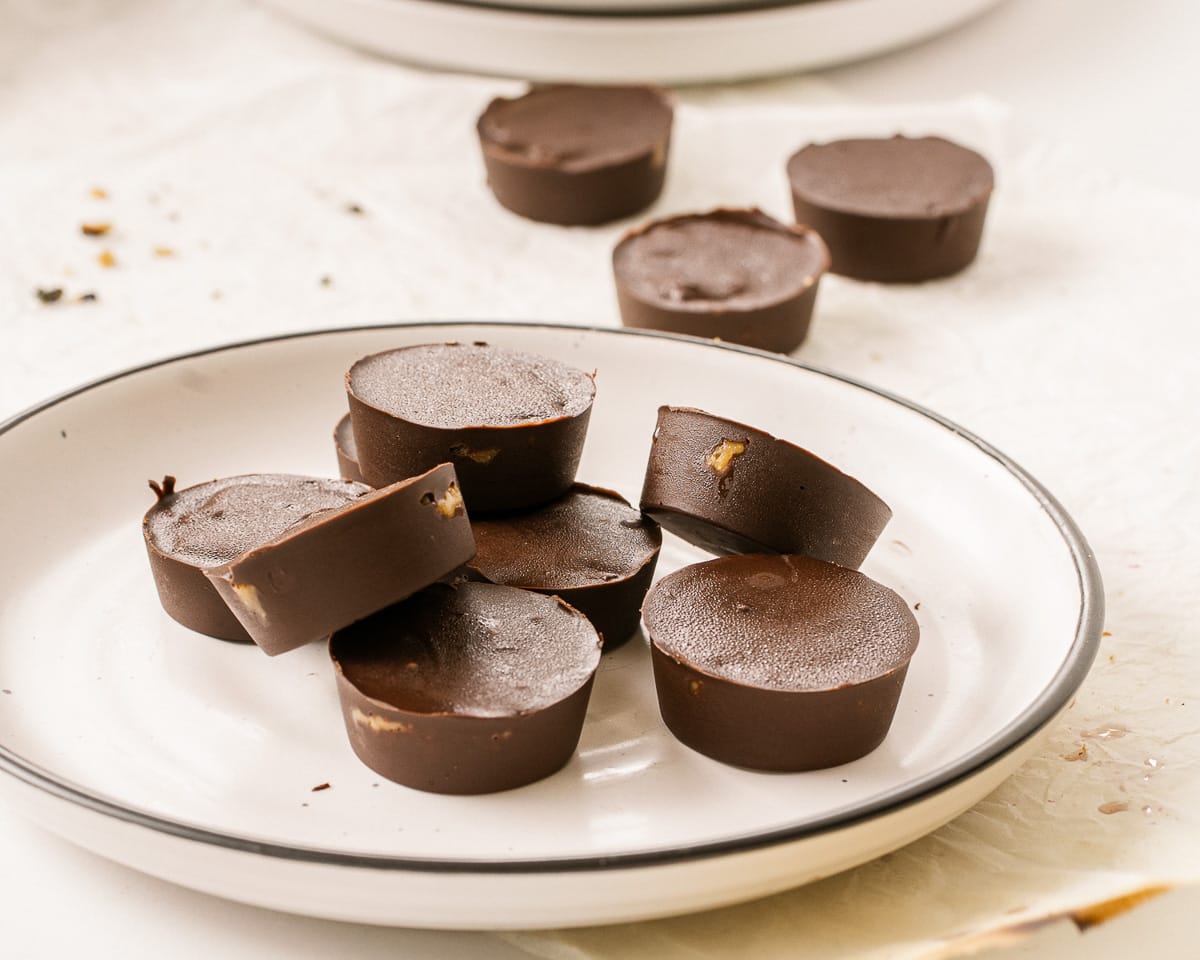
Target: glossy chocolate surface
[
  {"x": 778, "y": 662},
  {"x": 589, "y": 547},
  {"x": 571, "y": 154},
  {"x": 211, "y": 523},
  {"x": 734, "y": 274},
  {"x": 470, "y": 688},
  {"x": 344, "y": 564},
  {"x": 512, "y": 423},
  {"x": 732, "y": 488},
  {"x": 893, "y": 210}
]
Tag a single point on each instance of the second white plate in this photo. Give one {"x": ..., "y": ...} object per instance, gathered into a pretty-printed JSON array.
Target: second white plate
[
  {"x": 196, "y": 760},
  {"x": 701, "y": 47}
]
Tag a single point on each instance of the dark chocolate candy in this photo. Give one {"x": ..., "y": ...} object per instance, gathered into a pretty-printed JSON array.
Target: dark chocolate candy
[
  {"x": 895, "y": 210},
  {"x": 347, "y": 563},
  {"x": 589, "y": 547},
  {"x": 731, "y": 488},
  {"x": 737, "y": 275},
  {"x": 573, "y": 154},
  {"x": 470, "y": 688},
  {"x": 215, "y": 522},
  {"x": 512, "y": 423},
  {"x": 347, "y": 450},
  {"x": 778, "y": 662}
]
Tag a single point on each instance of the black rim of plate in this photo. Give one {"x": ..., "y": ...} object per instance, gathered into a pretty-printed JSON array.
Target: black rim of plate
[{"x": 1038, "y": 713}]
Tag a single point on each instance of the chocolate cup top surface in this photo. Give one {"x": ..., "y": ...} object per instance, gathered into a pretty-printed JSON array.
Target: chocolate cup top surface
[
  {"x": 188, "y": 530},
  {"x": 576, "y": 128},
  {"x": 587, "y": 537},
  {"x": 897, "y": 177},
  {"x": 732, "y": 488},
  {"x": 339, "y": 566},
  {"x": 214, "y": 522},
  {"x": 456, "y": 386},
  {"x": 781, "y": 622},
  {"x": 722, "y": 261},
  {"x": 469, "y": 650}
]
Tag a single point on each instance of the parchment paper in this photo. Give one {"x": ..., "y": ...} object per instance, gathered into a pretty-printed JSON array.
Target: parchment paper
[{"x": 260, "y": 181}]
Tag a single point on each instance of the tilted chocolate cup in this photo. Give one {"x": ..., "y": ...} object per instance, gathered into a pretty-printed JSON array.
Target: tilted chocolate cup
[{"x": 731, "y": 488}]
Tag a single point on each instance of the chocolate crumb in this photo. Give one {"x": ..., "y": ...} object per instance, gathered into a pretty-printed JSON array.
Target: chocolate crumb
[
  {"x": 95, "y": 229},
  {"x": 327, "y": 281},
  {"x": 88, "y": 297},
  {"x": 63, "y": 434},
  {"x": 49, "y": 295},
  {"x": 6, "y": 690},
  {"x": 355, "y": 209},
  {"x": 320, "y": 786}
]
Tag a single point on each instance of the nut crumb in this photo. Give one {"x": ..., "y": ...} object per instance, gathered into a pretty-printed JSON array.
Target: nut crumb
[
  {"x": 373, "y": 721},
  {"x": 94, "y": 229},
  {"x": 721, "y": 457},
  {"x": 355, "y": 209},
  {"x": 99, "y": 193},
  {"x": 695, "y": 686},
  {"x": 326, "y": 281},
  {"x": 88, "y": 297},
  {"x": 479, "y": 456},
  {"x": 451, "y": 502},
  {"x": 321, "y": 786},
  {"x": 164, "y": 252},
  {"x": 106, "y": 259}
]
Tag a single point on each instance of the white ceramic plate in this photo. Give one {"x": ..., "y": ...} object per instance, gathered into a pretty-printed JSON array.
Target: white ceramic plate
[
  {"x": 195, "y": 760},
  {"x": 673, "y": 48}
]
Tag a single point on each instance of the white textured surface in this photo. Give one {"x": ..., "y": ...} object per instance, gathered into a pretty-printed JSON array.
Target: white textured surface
[{"x": 239, "y": 143}]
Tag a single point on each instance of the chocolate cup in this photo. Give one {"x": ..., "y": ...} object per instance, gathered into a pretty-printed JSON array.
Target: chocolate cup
[
  {"x": 500, "y": 468},
  {"x": 347, "y": 450},
  {"x": 451, "y": 751},
  {"x": 185, "y": 592},
  {"x": 347, "y": 563},
  {"x": 930, "y": 227},
  {"x": 570, "y": 187},
  {"x": 613, "y": 606},
  {"x": 773, "y": 497},
  {"x": 776, "y": 320},
  {"x": 810, "y": 714}
]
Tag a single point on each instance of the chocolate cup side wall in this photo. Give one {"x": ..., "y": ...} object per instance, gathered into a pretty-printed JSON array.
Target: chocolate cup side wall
[
  {"x": 457, "y": 754},
  {"x": 780, "y": 327},
  {"x": 895, "y": 249},
  {"x": 774, "y": 497},
  {"x": 532, "y": 464},
  {"x": 347, "y": 565},
  {"x": 771, "y": 729},
  {"x": 582, "y": 198},
  {"x": 191, "y": 600}
]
